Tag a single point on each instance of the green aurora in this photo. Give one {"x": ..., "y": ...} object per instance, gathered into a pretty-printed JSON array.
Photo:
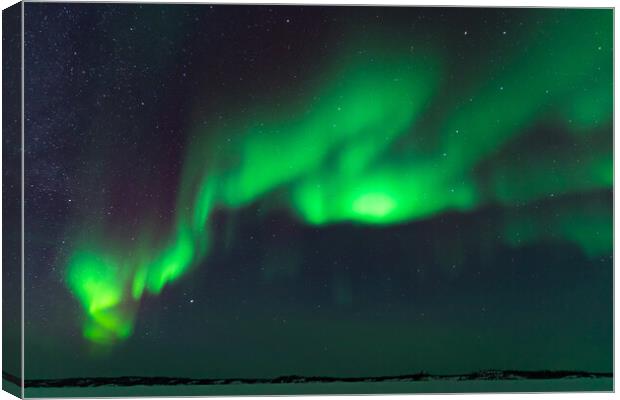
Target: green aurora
[{"x": 361, "y": 148}]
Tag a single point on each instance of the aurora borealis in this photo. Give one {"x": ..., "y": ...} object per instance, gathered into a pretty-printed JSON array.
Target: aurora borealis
[{"x": 348, "y": 159}]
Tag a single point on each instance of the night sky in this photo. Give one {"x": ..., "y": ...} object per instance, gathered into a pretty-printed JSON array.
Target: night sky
[{"x": 254, "y": 191}]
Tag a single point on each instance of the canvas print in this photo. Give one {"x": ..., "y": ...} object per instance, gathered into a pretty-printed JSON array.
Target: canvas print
[{"x": 306, "y": 199}]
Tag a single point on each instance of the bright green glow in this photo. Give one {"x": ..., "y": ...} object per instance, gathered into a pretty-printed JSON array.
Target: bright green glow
[
  {"x": 374, "y": 205},
  {"x": 139, "y": 283},
  {"x": 105, "y": 326},
  {"x": 173, "y": 262},
  {"x": 98, "y": 281},
  {"x": 358, "y": 149},
  {"x": 386, "y": 195},
  {"x": 94, "y": 279}
]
